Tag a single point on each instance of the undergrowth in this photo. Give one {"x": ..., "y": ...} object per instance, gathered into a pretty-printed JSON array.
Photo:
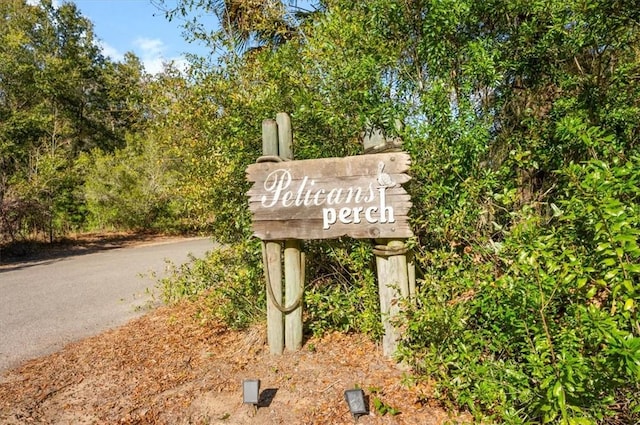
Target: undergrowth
[
  {"x": 340, "y": 289},
  {"x": 230, "y": 279},
  {"x": 543, "y": 326}
]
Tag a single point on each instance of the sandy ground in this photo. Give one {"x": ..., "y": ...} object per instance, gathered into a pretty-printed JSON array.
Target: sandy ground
[{"x": 171, "y": 367}]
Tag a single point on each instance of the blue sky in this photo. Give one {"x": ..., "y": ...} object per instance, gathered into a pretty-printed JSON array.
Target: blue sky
[{"x": 137, "y": 26}]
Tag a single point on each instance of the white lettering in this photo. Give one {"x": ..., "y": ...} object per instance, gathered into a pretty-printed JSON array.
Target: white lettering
[
  {"x": 344, "y": 214},
  {"x": 368, "y": 214},
  {"x": 356, "y": 214},
  {"x": 328, "y": 217},
  {"x": 384, "y": 209},
  {"x": 372, "y": 194},
  {"x": 287, "y": 199},
  {"x": 282, "y": 190},
  {"x": 301, "y": 191},
  {"x": 316, "y": 198},
  {"x": 307, "y": 200},
  {"x": 276, "y": 182},
  {"x": 334, "y": 196}
]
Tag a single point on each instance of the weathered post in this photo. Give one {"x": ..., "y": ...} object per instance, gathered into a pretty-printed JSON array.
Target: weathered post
[
  {"x": 396, "y": 275},
  {"x": 272, "y": 257},
  {"x": 285, "y": 136},
  {"x": 411, "y": 275},
  {"x": 393, "y": 286},
  {"x": 293, "y": 258}
]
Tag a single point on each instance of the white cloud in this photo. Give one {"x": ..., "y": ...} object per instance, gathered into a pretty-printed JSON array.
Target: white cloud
[
  {"x": 150, "y": 47},
  {"x": 181, "y": 64},
  {"x": 54, "y": 3},
  {"x": 152, "y": 54},
  {"x": 110, "y": 51}
]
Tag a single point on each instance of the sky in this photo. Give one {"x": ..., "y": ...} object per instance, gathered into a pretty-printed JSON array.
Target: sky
[{"x": 140, "y": 27}]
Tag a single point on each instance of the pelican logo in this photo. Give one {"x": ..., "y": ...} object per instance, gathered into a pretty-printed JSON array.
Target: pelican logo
[{"x": 384, "y": 179}]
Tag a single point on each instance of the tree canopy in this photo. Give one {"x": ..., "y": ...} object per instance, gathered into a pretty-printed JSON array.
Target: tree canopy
[{"x": 59, "y": 96}]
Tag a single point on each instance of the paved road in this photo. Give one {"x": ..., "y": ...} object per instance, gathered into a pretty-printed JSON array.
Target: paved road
[{"x": 46, "y": 305}]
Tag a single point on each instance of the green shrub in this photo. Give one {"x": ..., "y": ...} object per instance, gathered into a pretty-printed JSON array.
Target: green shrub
[
  {"x": 341, "y": 291},
  {"x": 542, "y": 327},
  {"x": 340, "y": 294},
  {"x": 230, "y": 276}
]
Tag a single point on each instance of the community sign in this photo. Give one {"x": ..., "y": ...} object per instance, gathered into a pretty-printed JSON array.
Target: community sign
[{"x": 358, "y": 196}]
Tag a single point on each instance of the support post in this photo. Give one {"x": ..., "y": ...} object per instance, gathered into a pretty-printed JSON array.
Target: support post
[
  {"x": 272, "y": 257},
  {"x": 396, "y": 269},
  {"x": 285, "y": 135},
  {"x": 393, "y": 287},
  {"x": 293, "y": 258},
  {"x": 269, "y": 138},
  {"x": 273, "y": 270},
  {"x": 293, "y": 278}
]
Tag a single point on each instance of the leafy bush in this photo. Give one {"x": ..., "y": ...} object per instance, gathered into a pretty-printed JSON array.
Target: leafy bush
[
  {"x": 342, "y": 290},
  {"x": 340, "y": 293},
  {"x": 522, "y": 122},
  {"x": 231, "y": 279},
  {"x": 542, "y": 327},
  {"x": 130, "y": 188}
]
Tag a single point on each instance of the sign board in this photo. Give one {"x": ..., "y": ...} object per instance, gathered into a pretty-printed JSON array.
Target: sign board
[{"x": 358, "y": 196}]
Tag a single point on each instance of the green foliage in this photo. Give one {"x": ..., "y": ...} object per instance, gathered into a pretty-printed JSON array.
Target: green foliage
[
  {"x": 551, "y": 332},
  {"x": 522, "y": 120},
  {"x": 58, "y": 97},
  {"x": 231, "y": 278},
  {"x": 344, "y": 293},
  {"x": 379, "y": 405},
  {"x": 130, "y": 188}
]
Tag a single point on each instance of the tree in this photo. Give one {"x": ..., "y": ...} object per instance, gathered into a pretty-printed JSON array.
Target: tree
[
  {"x": 245, "y": 24},
  {"x": 58, "y": 96}
]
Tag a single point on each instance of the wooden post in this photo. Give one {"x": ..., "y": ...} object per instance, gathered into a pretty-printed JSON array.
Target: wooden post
[
  {"x": 269, "y": 138},
  {"x": 273, "y": 271},
  {"x": 396, "y": 275},
  {"x": 393, "y": 286},
  {"x": 293, "y": 259},
  {"x": 272, "y": 257},
  {"x": 293, "y": 275},
  {"x": 411, "y": 274},
  {"x": 285, "y": 136}
]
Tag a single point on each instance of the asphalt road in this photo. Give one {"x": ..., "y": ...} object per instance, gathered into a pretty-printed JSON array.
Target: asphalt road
[{"x": 45, "y": 305}]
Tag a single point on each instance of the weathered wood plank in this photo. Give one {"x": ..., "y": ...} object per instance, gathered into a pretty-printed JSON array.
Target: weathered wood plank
[
  {"x": 358, "y": 196},
  {"x": 331, "y": 180},
  {"x": 312, "y": 229},
  {"x": 308, "y": 188},
  {"x": 354, "y": 216},
  {"x": 399, "y": 201},
  {"x": 362, "y": 165}
]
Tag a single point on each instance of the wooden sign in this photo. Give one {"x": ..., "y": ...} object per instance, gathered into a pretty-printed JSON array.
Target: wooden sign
[{"x": 357, "y": 196}]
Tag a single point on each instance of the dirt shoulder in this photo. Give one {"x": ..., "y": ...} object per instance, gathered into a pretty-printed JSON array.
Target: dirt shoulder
[
  {"x": 25, "y": 252},
  {"x": 170, "y": 367}
]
